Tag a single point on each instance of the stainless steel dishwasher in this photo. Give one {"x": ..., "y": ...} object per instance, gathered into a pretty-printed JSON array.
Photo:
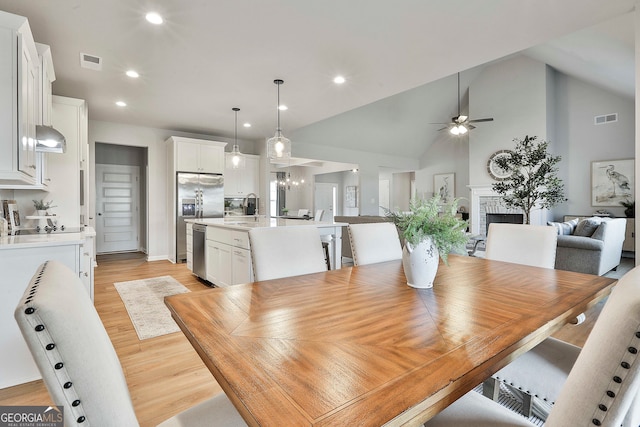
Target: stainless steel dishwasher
[{"x": 199, "y": 262}]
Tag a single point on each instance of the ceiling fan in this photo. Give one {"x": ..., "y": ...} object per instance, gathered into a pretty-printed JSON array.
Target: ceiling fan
[{"x": 461, "y": 124}]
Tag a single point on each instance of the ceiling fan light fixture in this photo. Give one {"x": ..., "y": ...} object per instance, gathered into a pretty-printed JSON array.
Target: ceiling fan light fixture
[
  {"x": 278, "y": 147},
  {"x": 237, "y": 158},
  {"x": 458, "y": 130}
]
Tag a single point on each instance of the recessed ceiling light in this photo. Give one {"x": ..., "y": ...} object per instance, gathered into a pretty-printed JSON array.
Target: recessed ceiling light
[
  {"x": 339, "y": 80},
  {"x": 247, "y": 125},
  {"x": 121, "y": 103},
  {"x": 154, "y": 18},
  {"x": 133, "y": 74},
  {"x": 283, "y": 107}
]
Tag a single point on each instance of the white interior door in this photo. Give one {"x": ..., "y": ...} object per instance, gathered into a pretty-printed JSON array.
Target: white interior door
[
  {"x": 117, "y": 201},
  {"x": 326, "y": 199}
]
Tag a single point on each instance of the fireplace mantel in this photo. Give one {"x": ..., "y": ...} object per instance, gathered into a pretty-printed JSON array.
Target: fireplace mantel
[{"x": 484, "y": 199}]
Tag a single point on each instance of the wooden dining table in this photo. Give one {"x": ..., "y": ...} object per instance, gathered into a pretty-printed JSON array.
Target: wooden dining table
[{"x": 358, "y": 347}]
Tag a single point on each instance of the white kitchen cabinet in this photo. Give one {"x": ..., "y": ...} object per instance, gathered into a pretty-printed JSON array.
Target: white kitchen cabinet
[
  {"x": 228, "y": 258},
  {"x": 241, "y": 266},
  {"x": 240, "y": 182},
  {"x": 194, "y": 155},
  {"x": 190, "y": 246},
  {"x": 46, "y": 77},
  {"x": 88, "y": 260},
  {"x": 18, "y": 101},
  {"x": 218, "y": 259},
  {"x": 69, "y": 116},
  {"x": 20, "y": 256}
]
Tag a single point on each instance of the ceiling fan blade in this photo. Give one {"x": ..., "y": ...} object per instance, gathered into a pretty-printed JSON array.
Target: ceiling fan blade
[
  {"x": 488, "y": 119},
  {"x": 446, "y": 127}
]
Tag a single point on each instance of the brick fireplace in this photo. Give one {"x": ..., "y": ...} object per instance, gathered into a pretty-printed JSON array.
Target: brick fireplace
[{"x": 485, "y": 201}]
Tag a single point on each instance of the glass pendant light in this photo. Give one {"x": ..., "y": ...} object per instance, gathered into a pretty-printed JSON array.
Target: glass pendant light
[
  {"x": 278, "y": 147},
  {"x": 237, "y": 159}
]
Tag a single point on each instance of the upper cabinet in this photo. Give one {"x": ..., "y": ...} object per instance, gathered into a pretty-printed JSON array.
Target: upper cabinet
[
  {"x": 26, "y": 76},
  {"x": 46, "y": 77},
  {"x": 69, "y": 116},
  {"x": 240, "y": 182},
  {"x": 196, "y": 155}
]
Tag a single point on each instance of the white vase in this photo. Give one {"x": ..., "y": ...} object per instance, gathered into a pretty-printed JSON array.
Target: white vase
[
  {"x": 41, "y": 212},
  {"x": 420, "y": 263}
]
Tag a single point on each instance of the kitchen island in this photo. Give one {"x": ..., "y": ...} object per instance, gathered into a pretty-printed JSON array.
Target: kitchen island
[
  {"x": 226, "y": 249},
  {"x": 20, "y": 256}
]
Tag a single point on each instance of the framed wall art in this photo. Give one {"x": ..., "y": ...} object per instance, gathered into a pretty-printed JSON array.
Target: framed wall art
[
  {"x": 444, "y": 184},
  {"x": 612, "y": 182}
]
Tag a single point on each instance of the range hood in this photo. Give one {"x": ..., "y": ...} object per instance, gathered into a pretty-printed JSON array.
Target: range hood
[{"x": 50, "y": 140}]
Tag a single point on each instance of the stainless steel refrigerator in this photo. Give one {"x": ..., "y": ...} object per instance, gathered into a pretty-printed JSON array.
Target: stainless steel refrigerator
[{"x": 199, "y": 195}]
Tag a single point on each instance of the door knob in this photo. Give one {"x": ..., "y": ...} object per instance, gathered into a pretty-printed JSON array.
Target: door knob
[{"x": 99, "y": 214}]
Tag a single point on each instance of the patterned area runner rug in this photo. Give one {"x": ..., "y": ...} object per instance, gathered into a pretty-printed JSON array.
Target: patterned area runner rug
[{"x": 144, "y": 301}]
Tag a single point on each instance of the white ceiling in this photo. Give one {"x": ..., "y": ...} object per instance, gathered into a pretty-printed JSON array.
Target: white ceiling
[{"x": 212, "y": 55}]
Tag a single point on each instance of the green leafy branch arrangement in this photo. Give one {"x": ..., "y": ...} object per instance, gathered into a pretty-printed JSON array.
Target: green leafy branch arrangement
[{"x": 431, "y": 218}]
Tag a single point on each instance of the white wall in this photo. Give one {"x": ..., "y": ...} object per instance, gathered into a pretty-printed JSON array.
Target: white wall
[
  {"x": 513, "y": 92},
  {"x": 307, "y": 146},
  {"x": 581, "y": 141},
  {"x": 526, "y": 97},
  {"x": 448, "y": 154},
  {"x": 154, "y": 140}
]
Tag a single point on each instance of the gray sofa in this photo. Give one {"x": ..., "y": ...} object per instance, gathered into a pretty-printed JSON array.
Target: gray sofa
[{"x": 596, "y": 254}]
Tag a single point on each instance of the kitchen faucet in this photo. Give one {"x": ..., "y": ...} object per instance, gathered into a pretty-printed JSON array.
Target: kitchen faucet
[{"x": 245, "y": 203}]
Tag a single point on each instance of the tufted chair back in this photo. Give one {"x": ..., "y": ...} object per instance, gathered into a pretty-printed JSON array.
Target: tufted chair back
[
  {"x": 603, "y": 385},
  {"x": 374, "y": 242},
  {"x": 72, "y": 350},
  {"x": 286, "y": 251},
  {"x": 533, "y": 245}
]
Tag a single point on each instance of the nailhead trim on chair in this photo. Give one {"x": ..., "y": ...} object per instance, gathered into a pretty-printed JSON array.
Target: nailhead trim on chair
[
  {"x": 53, "y": 355},
  {"x": 629, "y": 358}
]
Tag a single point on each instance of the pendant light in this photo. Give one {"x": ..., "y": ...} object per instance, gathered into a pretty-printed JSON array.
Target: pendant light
[
  {"x": 278, "y": 147},
  {"x": 237, "y": 158}
]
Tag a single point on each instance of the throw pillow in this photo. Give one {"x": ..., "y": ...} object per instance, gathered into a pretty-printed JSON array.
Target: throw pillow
[
  {"x": 587, "y": 226},
  {"x": 565, "y": 228}
]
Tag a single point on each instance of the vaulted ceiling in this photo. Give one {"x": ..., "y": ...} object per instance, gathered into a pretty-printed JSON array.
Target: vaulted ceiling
[{"x": 210, "y": 56}]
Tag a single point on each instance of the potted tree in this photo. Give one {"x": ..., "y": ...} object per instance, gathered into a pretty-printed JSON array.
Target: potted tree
[
  {"x": 430, "y": 231},
  {"x": 532, "y": 177}
]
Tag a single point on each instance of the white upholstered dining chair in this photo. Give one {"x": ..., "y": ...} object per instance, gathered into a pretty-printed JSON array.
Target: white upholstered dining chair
[
  {"x": 374, "y": 242},
  {"x": 78, "y": 363},
  {"x": 286, "y": 251},
  {"x": 602, "y": 386},
  {"x": 533, "y": 245}
]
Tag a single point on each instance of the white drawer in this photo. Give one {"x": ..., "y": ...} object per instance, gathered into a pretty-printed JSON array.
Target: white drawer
[
  {"x": 221, "y": 235},
  {"x": 240, "y": 239}
]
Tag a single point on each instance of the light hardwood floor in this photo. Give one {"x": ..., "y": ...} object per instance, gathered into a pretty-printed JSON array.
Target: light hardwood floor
[{"x": 165, "y": 375}]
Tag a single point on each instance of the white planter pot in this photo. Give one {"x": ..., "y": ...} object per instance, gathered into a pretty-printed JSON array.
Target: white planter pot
[{"x": 420, "y": 263}]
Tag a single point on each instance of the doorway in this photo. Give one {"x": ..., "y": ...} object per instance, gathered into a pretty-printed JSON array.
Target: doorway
[
  {"x": 117, "y": 208},
  {"x": 326, "y": 196},
  {"x": 121, "y": 198}
]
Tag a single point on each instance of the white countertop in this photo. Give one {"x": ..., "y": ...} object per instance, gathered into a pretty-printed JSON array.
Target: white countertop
[
  {"x": 249, "y": 222},
  {"x": 43, "y": 240}
]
